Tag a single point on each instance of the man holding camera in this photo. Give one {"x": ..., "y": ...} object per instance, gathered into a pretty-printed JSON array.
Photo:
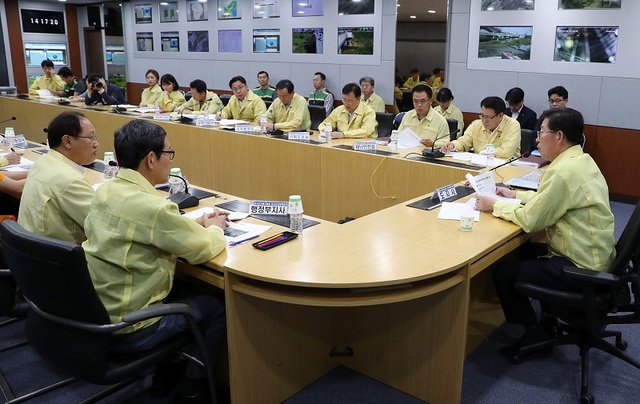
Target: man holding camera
[{"x": 99, "y": 92}]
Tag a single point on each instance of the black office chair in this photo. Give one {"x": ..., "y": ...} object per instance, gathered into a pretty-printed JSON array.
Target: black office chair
[
  {"x": 68, "y": 324},
  {"x": 225, "y": 99},
  {"x": 385, "y": 123},
  {"x": 397, "y": 120},
  {"x": 407, "y": 102},
  {"x": 318, "y": 113},
  {"x": 453, "y": 125},
  {"x": 187, "y": 96},
  {"x": 527, "y": 140},
  {"x": 603, "y": 300}
]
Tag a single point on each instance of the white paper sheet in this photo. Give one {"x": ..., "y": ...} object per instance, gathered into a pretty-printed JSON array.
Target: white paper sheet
[
  {"x": 408, "y": 139},
  {"x": 199, "y": 212},
  {"x": 453, "y": 211}
]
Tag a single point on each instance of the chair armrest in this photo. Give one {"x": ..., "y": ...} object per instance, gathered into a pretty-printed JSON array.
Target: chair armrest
[
  {"x": 590, "y": 276},
  {"x": 159, "y": 311}
]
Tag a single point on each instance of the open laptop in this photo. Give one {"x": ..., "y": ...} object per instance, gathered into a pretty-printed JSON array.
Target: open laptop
[{"x": 528, "y": 181}]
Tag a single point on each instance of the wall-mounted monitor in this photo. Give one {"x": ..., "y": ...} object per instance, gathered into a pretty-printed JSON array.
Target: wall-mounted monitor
[
  {"x": 307, "y": 8},
  {"x": 230, "y": 41},
  {"x": 198, "y": 41},
  {"x": 355, "y": 7},
  {"x": 170, "y": 41},
  {"x": 499, "y": 5},
  {"x": 308, "y": 40},
  {"x": 586, "y": 44},
  {"x": 266, "y": 41},
  {"x": 510, "y": 43},
  {"x": 42, "y": 21},
  {"x": 355, "y": 40},
  {"x": 581, "y": 4},
  {"x": 36, "y": 52}
]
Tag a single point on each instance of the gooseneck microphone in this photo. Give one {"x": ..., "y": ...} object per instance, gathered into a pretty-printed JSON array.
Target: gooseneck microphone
[
  {"x": 13, "y": 118},
  {"x": 183, "y": 199},
  {"x": 437, "y": 153},
  {"x": 511, "y": 160}
]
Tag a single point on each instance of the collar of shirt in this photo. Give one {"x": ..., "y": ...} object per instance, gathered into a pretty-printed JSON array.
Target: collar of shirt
[{"x": 135, "y": 177}]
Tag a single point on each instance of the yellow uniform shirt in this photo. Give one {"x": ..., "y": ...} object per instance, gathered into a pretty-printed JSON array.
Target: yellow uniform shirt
[
  {"x": 433, "y": 126},
  {"x": 169, "y": 102},
  {"x": 505, "y": 138},
  {"x": 294, "y": 116},
  {"x": 375, "y": 102},
  {"x": 251, "y": 109},
  {"x": 363, "y": 123},
  {"x": 453, "y": 112},
  {"x": 44, "y": 83},
  {"x": 211, "y": 103},
  {"x": 151, "y": 95}
]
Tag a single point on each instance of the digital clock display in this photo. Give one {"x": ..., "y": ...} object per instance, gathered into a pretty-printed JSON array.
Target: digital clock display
[{"x": 43, "y": 21}]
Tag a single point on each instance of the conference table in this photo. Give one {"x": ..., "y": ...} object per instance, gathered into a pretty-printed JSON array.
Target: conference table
[{"x": 396, "y": 294}]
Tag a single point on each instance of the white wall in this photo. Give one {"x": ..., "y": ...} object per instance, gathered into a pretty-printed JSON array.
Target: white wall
[
  {"x": 604, "y": 93},
  {"x": 217, "y": 68}
]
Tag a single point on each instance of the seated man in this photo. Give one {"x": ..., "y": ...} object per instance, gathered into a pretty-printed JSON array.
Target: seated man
[
  {"x": 571, "y": 205},
  {"x": 413, "y": 80},
  {"x": 518, "y": 111},
  {"x": 492, "y": 127},
  {"x": 264, "y": 90},
  {"x": 73, "y": 86},
  {"x": 244, "y": 104},
  {"x": 201, "y": 100},
  {"x": 352, "y": 119},
  {"x": 424, "y": 120},
  {"x": 49, "y": 81},
  {"x": 289, "y": 112},
  {"x": 368, "y": 86},
  {"x": 320, "y": 95},
  {"x": 134, "y": 237},
  {"x": 56, "y": 195},
  {"x": 99, "y": 92}
]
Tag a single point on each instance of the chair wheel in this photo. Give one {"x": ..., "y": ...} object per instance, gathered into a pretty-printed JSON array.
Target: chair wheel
[
  {"x": 587, "y": 399},
  {"x": 621, "y": 344},
  {"x": 515, "y": 359}
]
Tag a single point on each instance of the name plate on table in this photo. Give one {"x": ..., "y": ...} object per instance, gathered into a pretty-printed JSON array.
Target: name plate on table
[
  {"x": 365, "y": 146},
  {"x": 244, "y": 128},
  {"x": 162, "y": 117},
  {"x": 268, "y": 208},
  {"x": 205, "y": 122},
  {"x": 444, "y": 193},
  {"x": 299, "y": 136}
]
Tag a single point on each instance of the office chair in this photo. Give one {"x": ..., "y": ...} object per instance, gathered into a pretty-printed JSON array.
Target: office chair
[
  {"x": 453, "y": 125},
  {"x": 318, "y": 113},
  {"x": 604, "y": 299},
  {"x": 187, "y": 96},
  {"x": 527, "y": 141},
  {"x": 385, "y": 123},
  {"x": 68, "y": 324},
  {"x": 225, "y": 99},
  {"x": 397, "y": 120},
  {"x": 407, "y": 102}
]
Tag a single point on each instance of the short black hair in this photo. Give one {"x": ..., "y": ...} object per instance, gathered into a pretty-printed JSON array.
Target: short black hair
[
  {"x": 568, "y": 120},
  {"x": 282, "y": 84},
  {"x": 67, "y": 123},
  {"x": 436, "y": 71},
  {"x": 414, "y": 70},
  {"x": 322, "y": 76},
  {"x": 352, "y": 88},
  {"x": 65, "y": 72},
  {"x": 444, "y": 95},
  {"x": 46, "y": 63},
  {"x": 494, "y": 103},
  {"x": 514, "y": 96},
  {"x": 94, "y": 77},
  {"x": 560, "y": 91},
  {"x": 134, "y": 140},
  {"x": 237, "y": 78},
  {"x": 169, "y": 79},
  {"x": 369, "y": 80},
  {"x": 422, "y": 88},
  {"x": 199, "y": 85},
  {"x": 424, "y": 76},
  {"x": 262, "y": 72}
]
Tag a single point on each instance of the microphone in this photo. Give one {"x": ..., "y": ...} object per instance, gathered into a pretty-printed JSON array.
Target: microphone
[
  {"x": 437, "y": 153},
  {"x": 511, "y": 160},
  {"x": 20, "y": 95},
  {"x": 183, "y": 199},
  {"x": 113, "y": 163},
  {"x": 13, "y": 118},
  {"x": 185, "y": 119}
]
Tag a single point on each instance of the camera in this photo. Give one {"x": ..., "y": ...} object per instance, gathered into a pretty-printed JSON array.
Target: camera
[{"x": 96, "y": 84}]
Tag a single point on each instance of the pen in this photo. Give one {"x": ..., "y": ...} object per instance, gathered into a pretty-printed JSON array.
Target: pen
[
  {"x": 274, "y": 241},
  {"x": 243, "y": 241},
  {"x": 12, "y": 149}
]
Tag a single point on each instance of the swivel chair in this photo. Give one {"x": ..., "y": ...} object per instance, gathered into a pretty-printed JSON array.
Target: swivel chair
[
  {"x": 453, "y": 125},
  {"x": 527, "y": 140},
  {"x": 318, "y": 113},
  {"x": 225, "y": 99},
  {"x": 385, "y": 123}
]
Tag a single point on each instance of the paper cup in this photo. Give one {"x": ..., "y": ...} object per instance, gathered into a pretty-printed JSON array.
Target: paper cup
[{"x": 466, "y": 222}]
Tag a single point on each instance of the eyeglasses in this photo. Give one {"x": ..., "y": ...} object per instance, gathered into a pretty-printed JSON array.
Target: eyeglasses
[
  {"x": 487, "y": 118},
  {"x": 171, "y": 153},
  {"x": 540, "y": 132},
  {"x": 236, "y": 89},
  {"x": 348, "y": 102},
  {"x": 554, "y": 101},
  {"x": 420, "y": 102},
  {"x": 93, "y": 138}
]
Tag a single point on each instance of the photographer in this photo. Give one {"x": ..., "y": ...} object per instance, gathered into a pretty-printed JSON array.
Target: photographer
[{"x": 101, "y": 92}]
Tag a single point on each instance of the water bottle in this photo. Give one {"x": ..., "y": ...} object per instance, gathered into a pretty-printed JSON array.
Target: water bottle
[
  {"x": 157, "y": 108},
  {"x": 263, "y": 123},
  {"x": 295, "y": 214},
  {"x": 393, "y": 143},
  {"x": 491, "y": 153},
  {"x": 176, "y": 184},
  {"x": 9, "y": 138},
  {"x": 109, "y": 170},
  {"x": 327, "y": 132},
  {"x": 205, "y": 114}
]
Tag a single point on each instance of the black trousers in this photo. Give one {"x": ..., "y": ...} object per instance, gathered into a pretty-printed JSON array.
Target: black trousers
[{"x": 517, "y": 308}]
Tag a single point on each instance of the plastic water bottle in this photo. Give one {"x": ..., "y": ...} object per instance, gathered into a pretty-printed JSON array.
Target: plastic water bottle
[
  {"x": 263, "y": 123},
  {"x": 109, "y": 171},
  {"x": 176, "y": 184},
  {"x": 393, "y": 143},
  {"x": 9, "y": 138},
  {"x": 295, "y": 214},
  {"x": 327, "y": 132},
  {"x": 157, "y": 108},
  {"x": 491, "y": 153},
  {"x": 205, "y": 114}
]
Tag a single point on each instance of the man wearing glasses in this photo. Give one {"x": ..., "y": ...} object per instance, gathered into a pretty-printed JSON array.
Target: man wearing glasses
[
  {"x": 352, "y": 119},
  {"x": 493, "y": 127},
  {"x": 558, "y": 99},
  {"x": 56, "y": 196},
  {"x": 424, "y": 120},
  {"x": 244, "y": 104},
  {"x": 134, "y": 237},
  {"x": 571, "y": 205}
]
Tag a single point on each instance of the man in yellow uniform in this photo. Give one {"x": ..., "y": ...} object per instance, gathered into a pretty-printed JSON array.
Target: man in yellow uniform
[
  {"x": 413, "y": 80},
  {"x": 352, "y": 119},
  {"x": 244, "y": 104},
  {"x": 370, "y": 98},
  {"x": 49, "y": 81},
  {"x": 423, "y": 120},
  {"x": 289, "y": 112},
  {"x": 56, "y": 196},
  {"x": 201, "y": 100},
  {"x": 493, "y": 127}
]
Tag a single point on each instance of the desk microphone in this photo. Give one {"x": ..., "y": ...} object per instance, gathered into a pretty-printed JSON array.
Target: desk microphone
[
  {"x": 511, "y": 160},
  {"x": 437, "y": 153},
  {"x": 13, "y": 118},
  {"x": 183, "y": 199}
]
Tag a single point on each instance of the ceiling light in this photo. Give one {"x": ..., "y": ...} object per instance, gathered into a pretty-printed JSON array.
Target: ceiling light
[
  {"x": 412, "y": 16},
  {"x": 431, "y": 11}
]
